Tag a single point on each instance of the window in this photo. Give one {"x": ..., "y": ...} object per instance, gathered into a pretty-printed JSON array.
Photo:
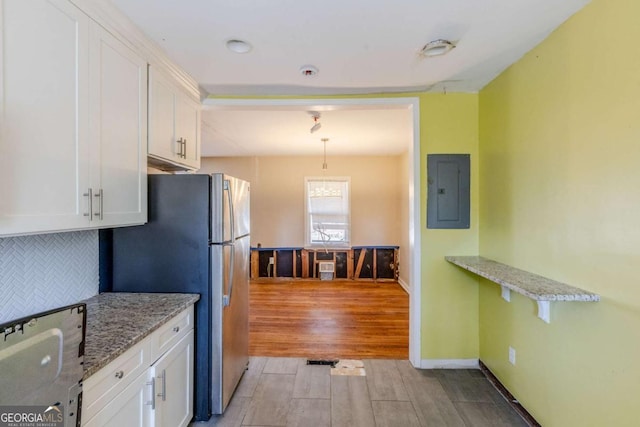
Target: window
[{"x": 327, "y": 211}]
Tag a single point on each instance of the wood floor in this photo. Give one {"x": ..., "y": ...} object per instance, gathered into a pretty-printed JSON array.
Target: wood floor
[{"x": 328, "y": 319}]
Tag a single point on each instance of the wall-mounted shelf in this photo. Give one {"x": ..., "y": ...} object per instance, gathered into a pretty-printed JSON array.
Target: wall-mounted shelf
[{"x": 538, "y": 288}]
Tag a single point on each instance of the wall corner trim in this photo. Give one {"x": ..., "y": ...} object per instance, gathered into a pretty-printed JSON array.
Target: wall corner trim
[
  {"x": 449, "y": 364},
  {"x": 404, "y": 286}
]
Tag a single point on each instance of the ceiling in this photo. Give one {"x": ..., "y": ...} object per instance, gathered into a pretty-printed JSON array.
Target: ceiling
[
  {"x": 285, "y": 130},
  {"x": 358, "y": 47}
]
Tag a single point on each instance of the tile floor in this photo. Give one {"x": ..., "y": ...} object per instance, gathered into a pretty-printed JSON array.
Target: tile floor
[{"x": 288, "y": 392}]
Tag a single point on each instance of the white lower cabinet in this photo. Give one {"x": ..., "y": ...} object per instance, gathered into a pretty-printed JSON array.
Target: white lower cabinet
[
  {"x": 149, "y": 385},
  {"x": 173, "y": 376},
  {"x": 131, "y": 407}
]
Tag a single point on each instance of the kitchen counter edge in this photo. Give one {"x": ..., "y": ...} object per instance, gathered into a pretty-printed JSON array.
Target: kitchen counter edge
[{"x": 116, "y": 321}]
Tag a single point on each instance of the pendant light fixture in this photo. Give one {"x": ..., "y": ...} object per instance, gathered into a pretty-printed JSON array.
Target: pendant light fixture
[{"x": 324, "y": 162}]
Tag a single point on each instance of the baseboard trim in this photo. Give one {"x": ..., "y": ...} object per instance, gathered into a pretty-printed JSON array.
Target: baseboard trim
[
  {"x": 404, "y": 285},
  {"x": 512, "y": 401},
  {"x": 449, "y": 364}
]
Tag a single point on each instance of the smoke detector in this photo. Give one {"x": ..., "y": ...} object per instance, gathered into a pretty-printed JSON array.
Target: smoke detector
[{"x": 308, "y": 70}]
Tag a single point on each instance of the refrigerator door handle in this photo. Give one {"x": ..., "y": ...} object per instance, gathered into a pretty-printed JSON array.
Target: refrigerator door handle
[
  {"x": 226, "y": 299},
  {"x": 232, "y": 220}
]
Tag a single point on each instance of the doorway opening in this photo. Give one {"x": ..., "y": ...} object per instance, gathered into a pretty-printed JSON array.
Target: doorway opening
[{"x": 257, "y": 113}]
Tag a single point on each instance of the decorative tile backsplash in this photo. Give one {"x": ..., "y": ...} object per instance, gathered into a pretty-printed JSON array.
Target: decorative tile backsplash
[{"x": 46, "y": 271}]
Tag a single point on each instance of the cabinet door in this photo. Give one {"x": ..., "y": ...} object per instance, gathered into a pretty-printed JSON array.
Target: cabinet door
[
  {"x": 173, "y": 374},
  {"x": 188, "y": 128},
  {"x": 44, "y": 164},
  {"x": 118, "y": 129},
  {"x": 162, "y": 138},
  {"x": 131, "y": 408}
]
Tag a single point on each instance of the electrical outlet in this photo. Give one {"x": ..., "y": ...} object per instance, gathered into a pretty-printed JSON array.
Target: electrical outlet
[
  {"x": 512, "y": 355},
  {"x": 270, "y": 260}
]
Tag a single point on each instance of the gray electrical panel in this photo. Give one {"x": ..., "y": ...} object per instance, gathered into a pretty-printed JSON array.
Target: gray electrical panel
[{"x": 448, "y": 179}]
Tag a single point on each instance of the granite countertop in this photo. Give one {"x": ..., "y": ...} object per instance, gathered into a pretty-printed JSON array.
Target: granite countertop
[
  {"x": 117, "y": 321},
  {"x": 531, "y": 285}
]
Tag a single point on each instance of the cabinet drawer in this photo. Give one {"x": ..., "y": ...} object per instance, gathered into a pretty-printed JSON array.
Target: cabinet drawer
[
  {"x": 103, "y": 386},
  {"x": 129, "y": 408},
  {"x": 171, "y": 332}
]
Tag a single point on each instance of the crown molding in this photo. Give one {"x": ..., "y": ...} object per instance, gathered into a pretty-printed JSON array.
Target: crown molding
[{"x": 121, "y": 27}]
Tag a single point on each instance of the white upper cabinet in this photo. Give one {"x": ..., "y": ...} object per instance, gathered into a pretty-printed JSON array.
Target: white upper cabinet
[
  {"x": 118, "y": 131},
  {"x": 174, "y": 125},
  {"x": 188, "y": 127},
  {"x": 44, "y": 150},
  {"x": 72, "y": 124}
]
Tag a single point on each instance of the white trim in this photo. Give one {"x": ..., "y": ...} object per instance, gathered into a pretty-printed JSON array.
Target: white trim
[
  {"x": 415, "y": 208},
  {"x": 286, "y": 104},
  {"x": 450, "y": 364},
  {"x": 121, "y": 27},
  {"x": 404, "y": 286},
  {"x": 307, "y": 229},
  {"x": 415, "y": 228}
]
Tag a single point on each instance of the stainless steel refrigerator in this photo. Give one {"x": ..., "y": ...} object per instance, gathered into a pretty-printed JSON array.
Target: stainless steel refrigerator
[{"x": 196, "y": 241}]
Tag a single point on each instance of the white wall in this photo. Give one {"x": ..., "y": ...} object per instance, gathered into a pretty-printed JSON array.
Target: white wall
[
  {"x": 46, "y": 271},
  {"x": 379, "y": 197},
  {"x": 404, "y": 178}
]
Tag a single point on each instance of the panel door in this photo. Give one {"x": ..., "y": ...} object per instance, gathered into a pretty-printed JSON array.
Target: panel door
[
  {"x": 188, "y": 128},
  {"x": 131, "y": 408},
  {"x": 173, "y": 374},
  {"x": 118, "y": 128},
  {"x": 162, "y": 118},
  {"x": 44, "y": 163}
]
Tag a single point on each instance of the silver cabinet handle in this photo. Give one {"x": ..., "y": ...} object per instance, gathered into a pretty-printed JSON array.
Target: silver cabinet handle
[
  {"x": 152, "y": 402},
  {"x": 89, "y": 194},
  {"x": 182, "y": 143},
  {"x": 163, "y": 377},
  {"x": 101, "y": 204},
  {"x": 176, "y": 329},
  {"x": 100, "y": 213},
  {"x": 119, "y": 374}
]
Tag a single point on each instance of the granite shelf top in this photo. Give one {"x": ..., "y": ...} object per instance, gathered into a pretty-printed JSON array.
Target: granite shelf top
[
  {"x": 531, "y": 285},
  {"x": 117, "y": 321}
]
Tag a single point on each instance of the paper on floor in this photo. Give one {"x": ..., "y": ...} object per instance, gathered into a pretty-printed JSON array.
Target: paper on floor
[{"x": 349, "y": 367}]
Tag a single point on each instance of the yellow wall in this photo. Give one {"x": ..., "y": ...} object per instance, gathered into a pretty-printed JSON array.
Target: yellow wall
[
  {"x": 560, "y": 196},
  {"x": 449, "y": 125},
  {"x": 449, "y": 308}
]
